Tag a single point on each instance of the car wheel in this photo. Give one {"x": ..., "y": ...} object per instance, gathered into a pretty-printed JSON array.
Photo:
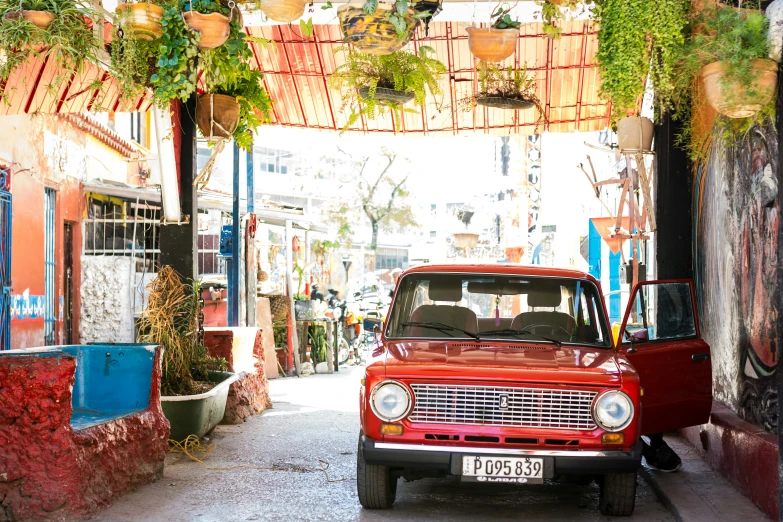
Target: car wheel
[
  {"x": 376, "y": 486},
  {"x": 618, "y": 494}
]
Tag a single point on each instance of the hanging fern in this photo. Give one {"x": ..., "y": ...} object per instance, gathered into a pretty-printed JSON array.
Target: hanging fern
[{"x": 402, "y": 71}]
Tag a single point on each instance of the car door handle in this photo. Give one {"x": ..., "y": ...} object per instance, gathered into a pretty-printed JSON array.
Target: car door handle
[{"x": 700, "y": 356}]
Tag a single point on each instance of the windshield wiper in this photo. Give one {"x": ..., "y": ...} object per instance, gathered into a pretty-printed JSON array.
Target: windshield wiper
[
  {"x": 518, "y": 333},
  {"x": 443, "y": 327}
]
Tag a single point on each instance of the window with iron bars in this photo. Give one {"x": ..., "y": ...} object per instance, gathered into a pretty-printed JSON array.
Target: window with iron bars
[{"x": 116, "y": 227}]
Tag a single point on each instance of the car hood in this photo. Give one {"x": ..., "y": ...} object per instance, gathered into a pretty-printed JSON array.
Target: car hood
[{"x": 520, "y": 362}]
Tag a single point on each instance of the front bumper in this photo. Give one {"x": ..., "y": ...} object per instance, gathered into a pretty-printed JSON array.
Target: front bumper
[{"x": 449, "y": 458}]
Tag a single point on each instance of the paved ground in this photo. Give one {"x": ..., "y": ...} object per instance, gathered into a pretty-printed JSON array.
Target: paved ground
[{"x": 315, "y": 419}]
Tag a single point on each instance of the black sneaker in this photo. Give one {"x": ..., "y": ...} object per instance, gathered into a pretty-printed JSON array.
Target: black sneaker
[{"x": 662, "y": 458}]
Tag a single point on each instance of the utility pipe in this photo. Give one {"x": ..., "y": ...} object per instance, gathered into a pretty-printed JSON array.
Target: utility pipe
[{"x": 167, "y": 165}]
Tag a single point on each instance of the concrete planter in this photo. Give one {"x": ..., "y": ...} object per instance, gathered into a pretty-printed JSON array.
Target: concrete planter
[{"x": 198, "y": 414}]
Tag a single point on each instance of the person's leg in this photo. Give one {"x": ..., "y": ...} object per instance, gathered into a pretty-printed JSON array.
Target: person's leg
[{"x": 659, "y": 455}]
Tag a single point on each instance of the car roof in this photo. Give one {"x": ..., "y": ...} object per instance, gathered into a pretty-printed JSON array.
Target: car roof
[{"x": 501, "y": 268}]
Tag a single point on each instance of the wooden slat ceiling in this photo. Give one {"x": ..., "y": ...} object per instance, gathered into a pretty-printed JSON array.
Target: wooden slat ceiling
[{"x": 297, "y": 70}]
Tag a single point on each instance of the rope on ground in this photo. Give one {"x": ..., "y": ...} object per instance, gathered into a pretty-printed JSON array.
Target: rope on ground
[{"x": 198, "y": 452}]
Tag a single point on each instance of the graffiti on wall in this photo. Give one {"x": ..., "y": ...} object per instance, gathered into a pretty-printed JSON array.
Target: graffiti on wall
[
  {"x": 533, "y": 153},
  {"x": 736, "y": 242}
]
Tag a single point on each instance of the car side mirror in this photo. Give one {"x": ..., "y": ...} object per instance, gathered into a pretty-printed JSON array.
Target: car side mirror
[{"x": 640, "y": 336}]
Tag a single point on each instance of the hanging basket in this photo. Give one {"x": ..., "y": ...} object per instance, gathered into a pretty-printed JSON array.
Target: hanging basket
[
  {"x": 372, "y": 34},
  {"x": 498, "y": 102},
  {"x": 285, "y": 11},
  {"x": 142, "y": 20},
  {"x": 384, "y": 94},
  {"x": 734, "y": 100},
  {"x": 217, "y": 116},
  {"x": 40, "y": 19},
  {"x": 492, "y": 45},
  {"x": 214, "y": 28},
  {"x": 466, "y": 240},
  {"x": 634, "y": 134}
]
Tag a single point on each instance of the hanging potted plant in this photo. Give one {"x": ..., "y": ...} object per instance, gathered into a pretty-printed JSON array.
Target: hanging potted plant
[
  {"x": 372, "y": 84},
  {"x": 285, "y": 11},
  {"x": 499, "y": 40},
  {"x": 732, "y": 55},
  {"x": 134, "y": 55},
  {"x": 638, "y": 42},
  {"x": 236, "y": 102},
  {"x": 142, "y": 19},
  {"x": 40, "y": 13},
  {"x": 59, "y": 31},
  {"x": 210, "y": 19},
  {"x": 378, "y": 28},
  {"x": 506, "y": 88}
]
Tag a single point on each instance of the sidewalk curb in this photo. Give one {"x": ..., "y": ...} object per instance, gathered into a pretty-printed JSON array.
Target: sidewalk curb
[
  {"x": 698, "y": 493},
  {"x": 662, "y": 496}
]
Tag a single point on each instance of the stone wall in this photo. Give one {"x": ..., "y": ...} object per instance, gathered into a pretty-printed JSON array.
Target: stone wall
[{"x": 106, "y": 300}]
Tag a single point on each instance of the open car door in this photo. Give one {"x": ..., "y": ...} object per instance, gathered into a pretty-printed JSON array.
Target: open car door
[{"x": 660, "y": 336}]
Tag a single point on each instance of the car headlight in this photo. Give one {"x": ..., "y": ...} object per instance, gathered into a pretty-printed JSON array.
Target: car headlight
[
  {"x": 390, "y": 401},
  {"x": 613, "y": 410}
]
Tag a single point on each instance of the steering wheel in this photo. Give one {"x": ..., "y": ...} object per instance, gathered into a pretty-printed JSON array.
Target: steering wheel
[{"x": 552, "y": 327}]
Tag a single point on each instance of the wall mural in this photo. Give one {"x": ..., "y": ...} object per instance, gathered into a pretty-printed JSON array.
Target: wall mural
[
  {"x": 736, "y": 235},
  {"x": 533, "y": 153}
]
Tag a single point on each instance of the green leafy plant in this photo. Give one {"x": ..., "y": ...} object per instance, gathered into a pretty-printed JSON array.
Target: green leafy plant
[
  {"x": 639, "y": 41},
  {"x": 735, "y": 39},
  {"x": 227, "y": 71},
  {"x": 501, "y": 18},
  {"x": 177, "y": 75},
  {"x": 401, "y": 71},
  {"x": 506, "y": 82},
  {"x": 317, "y": 334},
  {"x": 133, "y": 60},
  {"x": 68, "y": 41},
  {"x": 399, "y": 16}
]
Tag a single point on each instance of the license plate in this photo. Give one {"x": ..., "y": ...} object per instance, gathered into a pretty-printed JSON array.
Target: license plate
[{"x": 520, "y": 470}]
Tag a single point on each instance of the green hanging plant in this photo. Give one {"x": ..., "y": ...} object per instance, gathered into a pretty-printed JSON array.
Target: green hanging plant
[
  {"x": 411, "y": 75},
  {"x": 737, "y": 40},
  {"x": 639, "y": 41},
  {"x": 68, "y": 40},
  {"x": 227, "y": 71},
  {"x": 501, "y": 18},
  {"x": 177, "y": 75},
  {"x": 134, "y": 60}
]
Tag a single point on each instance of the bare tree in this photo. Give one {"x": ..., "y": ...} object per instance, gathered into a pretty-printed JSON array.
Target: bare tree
[{"x": 381, "y": 198}]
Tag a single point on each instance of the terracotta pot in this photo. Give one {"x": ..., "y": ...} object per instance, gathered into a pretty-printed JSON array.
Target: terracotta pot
[
  {"x": 283, "y": 10},
  {"x": 214, "y": 28},
  {"x": 217, "y": 115},
  {"x": 634, "y": 133},
  {"x": 40, "y": 19},
  {"x": 142, "y": 19},
  {"x": 734, "y": 100},
  {"x": 372, "y": 34},
  {"x": 492, "y": 45}
]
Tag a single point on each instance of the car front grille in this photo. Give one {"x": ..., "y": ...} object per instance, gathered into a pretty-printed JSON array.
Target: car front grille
[{"x": 483, "y": 405}]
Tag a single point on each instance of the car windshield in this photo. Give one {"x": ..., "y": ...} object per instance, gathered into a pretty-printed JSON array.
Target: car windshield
[{"x": 504, "y": 307}]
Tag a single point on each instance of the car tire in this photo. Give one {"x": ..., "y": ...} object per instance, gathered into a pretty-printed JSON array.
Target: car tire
[
  {"x": 375, "y": 484},
  {"x": 618, "y": 494}
]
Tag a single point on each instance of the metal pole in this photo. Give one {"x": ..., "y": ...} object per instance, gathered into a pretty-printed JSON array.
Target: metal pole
[
  {"x": 251, "y": 196},
  {"x": 235, "y": 263}
]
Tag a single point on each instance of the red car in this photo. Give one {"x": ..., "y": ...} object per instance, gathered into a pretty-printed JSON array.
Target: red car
[{"x": 508, "y": 373}]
